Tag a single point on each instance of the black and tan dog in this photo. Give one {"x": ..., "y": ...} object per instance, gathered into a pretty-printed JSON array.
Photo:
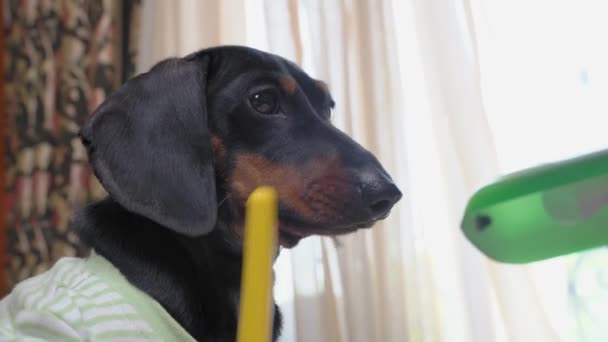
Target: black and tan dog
[{"x": 180, "y": 148}]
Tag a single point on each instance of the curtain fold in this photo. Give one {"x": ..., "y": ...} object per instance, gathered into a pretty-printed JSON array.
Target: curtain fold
[{"x": 62, "y": 59}]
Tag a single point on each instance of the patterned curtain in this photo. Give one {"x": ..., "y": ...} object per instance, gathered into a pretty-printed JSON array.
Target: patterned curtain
[{"x": 62, "y": 59}]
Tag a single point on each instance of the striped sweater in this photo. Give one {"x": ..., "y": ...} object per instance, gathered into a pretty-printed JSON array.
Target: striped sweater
[{"x": 84, "y": 300}]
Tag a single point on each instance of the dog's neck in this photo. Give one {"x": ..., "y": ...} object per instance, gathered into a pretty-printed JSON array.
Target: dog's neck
[{"x": 197, "y": 280}]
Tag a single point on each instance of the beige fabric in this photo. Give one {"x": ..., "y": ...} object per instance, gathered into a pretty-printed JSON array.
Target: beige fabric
[{"x": 405, "y": 77}]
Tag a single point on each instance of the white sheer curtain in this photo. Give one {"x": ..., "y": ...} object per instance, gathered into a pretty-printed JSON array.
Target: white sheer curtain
[{"x": 406, "y": 78}]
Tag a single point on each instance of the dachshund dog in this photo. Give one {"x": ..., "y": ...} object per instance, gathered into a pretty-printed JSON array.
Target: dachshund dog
[{"x": 180, "y": 148}]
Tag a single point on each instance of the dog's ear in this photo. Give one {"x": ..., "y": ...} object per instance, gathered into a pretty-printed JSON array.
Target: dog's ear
[{"x": 150, "y": 146}]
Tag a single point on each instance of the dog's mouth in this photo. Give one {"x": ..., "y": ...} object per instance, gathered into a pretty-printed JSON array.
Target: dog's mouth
[
  {"x": 292, "y": 230},
  {"x": 294, "y": 226}
]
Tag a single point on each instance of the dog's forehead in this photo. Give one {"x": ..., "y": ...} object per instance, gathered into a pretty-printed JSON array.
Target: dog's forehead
[
  {"x": 232, "y": 61},
  {"x": 237, "y": 59}
]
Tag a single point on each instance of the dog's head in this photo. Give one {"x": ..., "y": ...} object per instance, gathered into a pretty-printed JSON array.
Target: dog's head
[{"x": 194, "y": 136}]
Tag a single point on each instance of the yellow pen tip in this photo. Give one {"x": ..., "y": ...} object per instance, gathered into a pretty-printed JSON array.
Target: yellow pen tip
[{"x": 263, "y": 194}]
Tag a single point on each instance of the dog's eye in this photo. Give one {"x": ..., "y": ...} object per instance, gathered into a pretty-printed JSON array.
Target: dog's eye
[{"x": 265, "y": 101}]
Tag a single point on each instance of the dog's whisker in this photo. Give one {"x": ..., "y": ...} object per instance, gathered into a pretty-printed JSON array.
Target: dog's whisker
[{"x": 222, "y": 201}]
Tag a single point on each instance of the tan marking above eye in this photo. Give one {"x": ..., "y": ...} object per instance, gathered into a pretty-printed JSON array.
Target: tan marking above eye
[
  {"x": 323, "y": 86},
  {"x": 288, "y": 84}
]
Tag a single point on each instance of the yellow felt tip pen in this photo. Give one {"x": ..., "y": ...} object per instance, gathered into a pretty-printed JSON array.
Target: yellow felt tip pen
[{"x": 255, "y": 313}]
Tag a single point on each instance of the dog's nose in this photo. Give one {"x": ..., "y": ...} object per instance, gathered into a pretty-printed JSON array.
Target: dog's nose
[{"x": 380, "y": 194}]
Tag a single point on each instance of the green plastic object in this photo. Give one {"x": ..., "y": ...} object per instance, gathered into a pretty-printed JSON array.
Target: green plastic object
[{"x": 543, "y": 212}]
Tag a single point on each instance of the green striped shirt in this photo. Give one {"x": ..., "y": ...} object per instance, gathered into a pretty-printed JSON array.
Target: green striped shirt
[{"x": 84, "y": 300}]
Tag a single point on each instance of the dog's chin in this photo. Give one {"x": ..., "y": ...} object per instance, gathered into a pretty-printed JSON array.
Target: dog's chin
[{"x": 291, "y": 233}]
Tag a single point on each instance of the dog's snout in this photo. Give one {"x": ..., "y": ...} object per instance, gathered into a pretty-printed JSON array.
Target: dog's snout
[{"x": 379, "y": 193}]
